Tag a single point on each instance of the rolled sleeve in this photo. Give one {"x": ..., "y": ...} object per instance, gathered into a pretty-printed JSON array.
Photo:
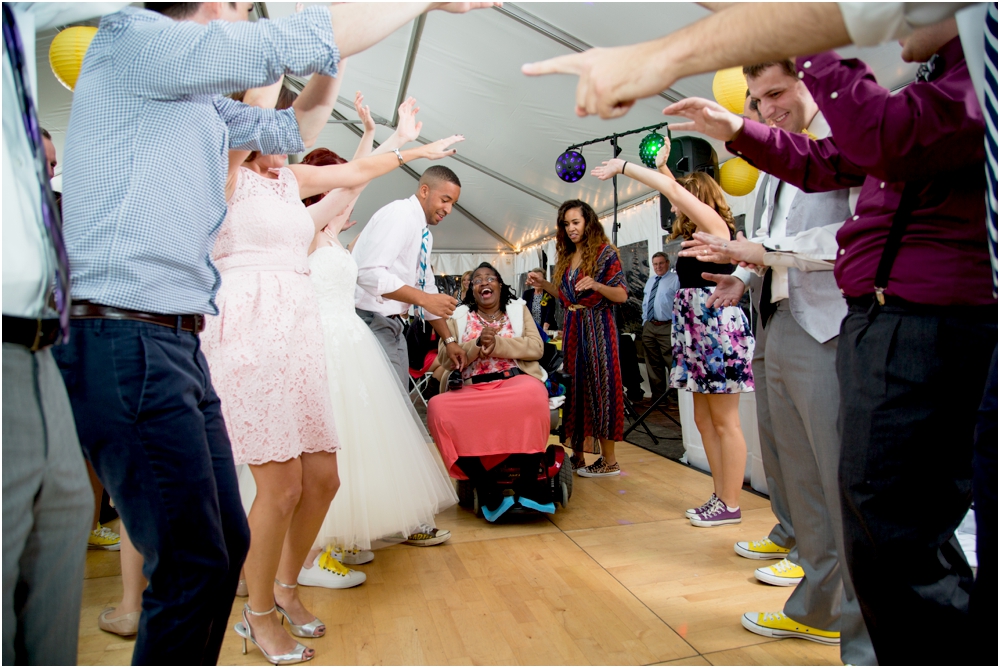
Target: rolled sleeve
[{"x": 268, "y": 131}]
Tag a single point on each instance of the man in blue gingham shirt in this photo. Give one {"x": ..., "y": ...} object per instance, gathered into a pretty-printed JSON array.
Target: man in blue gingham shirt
[
  {"x": 144, "y": 183},
  {"x": 148, "y": 141}
]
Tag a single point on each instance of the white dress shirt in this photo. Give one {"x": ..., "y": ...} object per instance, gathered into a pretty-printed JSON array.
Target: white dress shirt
[
  {"x": 29, "y": 262},
  {"x": 388, "y": 257},
  {"x": 809, "y": 250}
]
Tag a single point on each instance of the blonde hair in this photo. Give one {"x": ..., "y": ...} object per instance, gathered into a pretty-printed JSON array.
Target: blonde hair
[{"x": 705, "y": 188}]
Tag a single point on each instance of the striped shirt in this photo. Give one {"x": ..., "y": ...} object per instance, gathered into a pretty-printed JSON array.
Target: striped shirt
[{"x": 147, "y": 147}]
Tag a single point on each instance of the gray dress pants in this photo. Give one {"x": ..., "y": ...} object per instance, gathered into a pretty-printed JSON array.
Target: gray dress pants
[
  {"x": 802, "y": 397},
  {"x": 659, "y": 352},
  {"x": 783, "y": 533},
  {"x": 389, "y": 332},
  {"x": 47, "y": 510}
]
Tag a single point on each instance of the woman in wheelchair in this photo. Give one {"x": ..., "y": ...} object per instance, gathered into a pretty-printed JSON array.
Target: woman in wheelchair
[{"x": 497, "y": 406}]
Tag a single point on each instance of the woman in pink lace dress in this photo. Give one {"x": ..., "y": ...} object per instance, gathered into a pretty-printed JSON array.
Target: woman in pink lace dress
[{"x": 266, "y": 352}]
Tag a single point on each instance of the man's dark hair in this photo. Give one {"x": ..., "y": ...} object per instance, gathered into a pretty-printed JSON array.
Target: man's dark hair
[
  {"x": 754, "y": 71},
  {"x": 45, "y": 133},
  {"x": 660, "y": 254},
  {"x": 437, "y": 173},
  {"x": 178, "y": 11},
  {"x": 505, "y": 291}
]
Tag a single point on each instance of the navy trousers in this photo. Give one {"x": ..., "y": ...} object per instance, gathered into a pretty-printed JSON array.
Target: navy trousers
[
  {"x": 151, "y": 425},
  {"x": 910, "y": 388}
]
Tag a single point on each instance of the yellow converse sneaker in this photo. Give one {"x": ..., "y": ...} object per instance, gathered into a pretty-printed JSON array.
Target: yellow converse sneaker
[
  {"x": 328, "y": 572},
  {"x": 778, "y": 625},
  {"x": 761, "y": 549},
  {"x": 103, "y": 538},
  {"x": 783, "y": 574}
]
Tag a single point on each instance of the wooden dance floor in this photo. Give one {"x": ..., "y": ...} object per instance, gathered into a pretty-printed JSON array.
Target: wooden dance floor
[{"x": 620, "y": 577}]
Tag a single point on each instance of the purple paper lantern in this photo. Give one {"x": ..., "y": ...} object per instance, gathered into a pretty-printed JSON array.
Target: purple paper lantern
[{"x": 571, "y": 166}]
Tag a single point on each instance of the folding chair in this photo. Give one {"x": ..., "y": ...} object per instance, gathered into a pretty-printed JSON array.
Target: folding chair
[{"x": 421, "y": 377}]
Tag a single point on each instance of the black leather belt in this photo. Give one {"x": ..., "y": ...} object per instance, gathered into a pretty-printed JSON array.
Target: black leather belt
[
  {"x": 89, "y": 310},
  {"x": 490, "y": 377},
  {"x": 32, "y": 334},
  {"x": 660, "y": 323},
  {"x": 896, "y": 305}
]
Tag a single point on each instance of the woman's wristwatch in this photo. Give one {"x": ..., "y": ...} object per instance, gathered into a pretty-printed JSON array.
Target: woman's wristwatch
[{"x": 450, "y": 339}]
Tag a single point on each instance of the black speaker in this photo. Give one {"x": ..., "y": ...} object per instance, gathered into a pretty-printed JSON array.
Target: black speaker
[{"x": 687, "y": 155}]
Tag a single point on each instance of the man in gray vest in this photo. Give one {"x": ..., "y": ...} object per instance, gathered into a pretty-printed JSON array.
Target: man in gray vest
[{"x": 800, "y": 309}]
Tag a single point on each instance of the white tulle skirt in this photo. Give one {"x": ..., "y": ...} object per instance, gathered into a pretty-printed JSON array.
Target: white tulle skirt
[{"x": 392, "y": 479}]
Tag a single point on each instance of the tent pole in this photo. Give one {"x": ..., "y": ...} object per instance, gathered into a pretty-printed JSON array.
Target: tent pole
[{"x": 614, "y": 180}]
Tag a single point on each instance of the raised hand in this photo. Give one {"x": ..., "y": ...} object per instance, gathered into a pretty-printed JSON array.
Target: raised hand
[
  {"x": 608, "y": 169},
  {"x": 704, "y": 116},
  {"x": 728, "y": 290},
  {"x": 463, "y": 7},
  {"x": 407, "y": 129},
  {"x": 364, "y": 113},
  {"x": 439, "y": 149},
  {"x": 663, "y": 153}
]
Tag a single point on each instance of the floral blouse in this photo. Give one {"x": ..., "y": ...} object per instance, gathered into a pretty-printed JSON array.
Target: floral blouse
[{"x": 482, "y": 365}]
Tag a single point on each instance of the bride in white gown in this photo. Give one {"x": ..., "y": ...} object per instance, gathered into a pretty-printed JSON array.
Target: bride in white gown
[{"x": 392, "y": 478}]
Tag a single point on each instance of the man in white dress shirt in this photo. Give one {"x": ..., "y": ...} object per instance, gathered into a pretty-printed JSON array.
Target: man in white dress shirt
[
  {"x": 794, "y": 243},
  {"x": 393, "y": 257}
]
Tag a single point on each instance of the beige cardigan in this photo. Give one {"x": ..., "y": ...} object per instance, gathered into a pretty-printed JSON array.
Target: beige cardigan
[{"x": 525, "y": 348}]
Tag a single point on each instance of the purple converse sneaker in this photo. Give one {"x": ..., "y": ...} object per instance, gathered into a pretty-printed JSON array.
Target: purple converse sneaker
[
  {"x": 691, "y": 512},
  {"x": 716, "y": 515}
]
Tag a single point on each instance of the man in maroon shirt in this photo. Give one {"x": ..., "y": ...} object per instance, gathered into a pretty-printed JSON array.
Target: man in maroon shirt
[{"x": 914, "y": 348}]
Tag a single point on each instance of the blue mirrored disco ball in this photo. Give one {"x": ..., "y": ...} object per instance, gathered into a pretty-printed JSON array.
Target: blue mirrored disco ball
[{"x": 571, "y": 166}]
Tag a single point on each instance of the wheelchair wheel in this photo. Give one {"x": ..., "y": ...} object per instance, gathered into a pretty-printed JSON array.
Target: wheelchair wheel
[
  {"x": 565, "y": 483},
  {"x": 466, "y": 493},
  {"x": 476, "y": 508}
]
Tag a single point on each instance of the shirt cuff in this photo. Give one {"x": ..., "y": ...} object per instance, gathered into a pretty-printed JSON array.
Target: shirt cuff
[{"x": 744, "y": 274}]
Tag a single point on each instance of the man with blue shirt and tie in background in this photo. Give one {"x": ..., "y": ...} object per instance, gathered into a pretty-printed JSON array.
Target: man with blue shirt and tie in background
[{"x": 657, "y": 323}]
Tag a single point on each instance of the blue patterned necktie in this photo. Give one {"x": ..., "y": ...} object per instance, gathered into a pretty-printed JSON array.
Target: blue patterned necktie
[
  {"x": 422, "y": 268},
  {"x": 50, "y": 213},
  {"x": 652, "y": 298},
  {"x": 990, "y": 99}
]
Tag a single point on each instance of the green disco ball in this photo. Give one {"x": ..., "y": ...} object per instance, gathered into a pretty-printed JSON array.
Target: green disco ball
[{"x": 649, "y": 147}]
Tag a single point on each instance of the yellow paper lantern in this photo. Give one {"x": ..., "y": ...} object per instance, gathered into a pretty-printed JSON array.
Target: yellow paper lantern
[
  {"x": 738, "y": 177},
  {"x": 67, "y": 52},
  {"x": 730, "y": 89}
]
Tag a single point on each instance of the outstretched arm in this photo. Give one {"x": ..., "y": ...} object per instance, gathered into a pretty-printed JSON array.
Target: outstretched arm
[
  {"x": 360, "y": 25},
  {"x": 703, "y": 216},
  {"x": 315, "y": 180},
  {"x": 612, "y": 79}
]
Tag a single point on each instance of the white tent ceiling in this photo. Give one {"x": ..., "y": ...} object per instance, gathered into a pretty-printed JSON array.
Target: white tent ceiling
[{"x": 465, "y": 74}]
